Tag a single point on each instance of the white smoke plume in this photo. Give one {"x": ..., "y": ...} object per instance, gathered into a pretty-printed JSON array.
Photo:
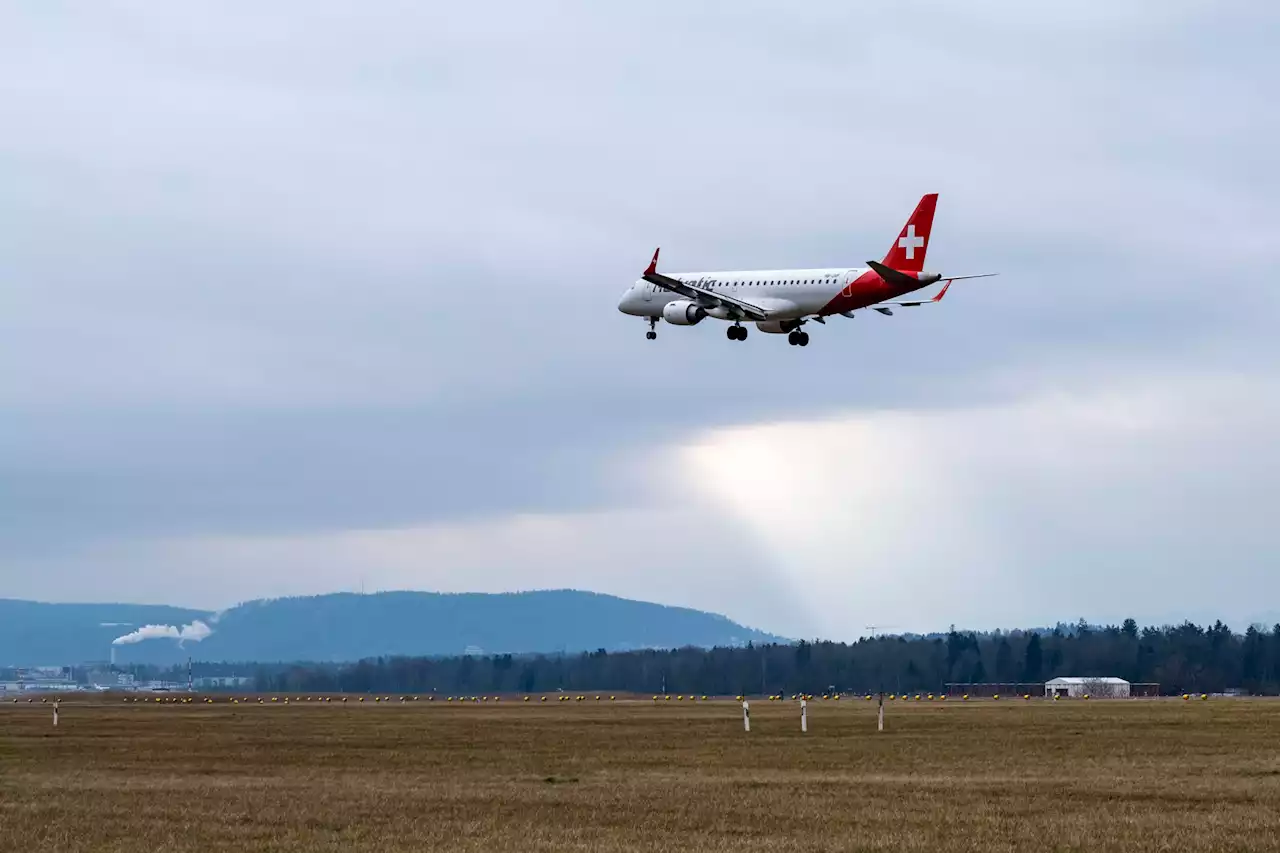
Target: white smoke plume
[{"x": 195, "y": 632}]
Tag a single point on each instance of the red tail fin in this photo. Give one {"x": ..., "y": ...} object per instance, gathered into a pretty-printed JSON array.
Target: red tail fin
[{"x": 907, "y": 252}]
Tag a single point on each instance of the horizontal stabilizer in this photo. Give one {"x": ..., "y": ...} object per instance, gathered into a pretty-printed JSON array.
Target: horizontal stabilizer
[
  {"x": 903, "y": 279},
  {"x": 915, "y": 279}
]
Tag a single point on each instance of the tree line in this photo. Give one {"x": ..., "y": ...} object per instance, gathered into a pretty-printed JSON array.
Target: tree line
[{"x": 1179, "y": 658}]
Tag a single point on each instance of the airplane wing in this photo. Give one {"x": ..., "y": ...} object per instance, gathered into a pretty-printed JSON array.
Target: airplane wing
[
  {"x": 894, "y": 276},
  {"x": 911, "y": 303},
  {"x": 703, "y": 296},
  {"x": 884, "y": 307}
]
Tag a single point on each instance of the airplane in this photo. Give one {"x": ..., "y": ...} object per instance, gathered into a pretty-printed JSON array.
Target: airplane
[{"x": 783, "y": 301}]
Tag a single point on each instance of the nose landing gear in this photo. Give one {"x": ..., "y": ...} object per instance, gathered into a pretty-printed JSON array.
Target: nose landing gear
[{"x": 652, "y": 334}]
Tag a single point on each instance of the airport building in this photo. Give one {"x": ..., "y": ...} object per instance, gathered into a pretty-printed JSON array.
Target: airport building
[
  {"x": 41, "y": 679},
  {"x": 1107, "y": 687}
]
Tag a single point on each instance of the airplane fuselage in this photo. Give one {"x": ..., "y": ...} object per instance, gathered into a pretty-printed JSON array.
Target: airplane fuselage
[{"x": 784, "y": 294}]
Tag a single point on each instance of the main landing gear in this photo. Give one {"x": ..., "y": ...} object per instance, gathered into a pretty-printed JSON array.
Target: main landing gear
[
  {"x": 651, "y": 334},
  {"x": 736, "y": 332},
  {"x": 798, "y": 338}
]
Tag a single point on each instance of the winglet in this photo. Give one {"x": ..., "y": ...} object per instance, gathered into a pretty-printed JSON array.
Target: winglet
[
  {"x": 941, "y": 293},
  {"x": 653, "y": 264}
]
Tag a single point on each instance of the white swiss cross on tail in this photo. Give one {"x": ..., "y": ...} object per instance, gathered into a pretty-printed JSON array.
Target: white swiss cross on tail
[
  {"x": 910, "y": 242},
  {"x": 903, "y": 255}
]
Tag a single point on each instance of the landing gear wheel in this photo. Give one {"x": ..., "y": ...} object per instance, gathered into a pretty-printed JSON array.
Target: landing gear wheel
[
  {"x": 736, "y": 333},
  {"x": 793, "y": 338},
  {"x": 651, "y": 335},
  {"x": 653, "y": 324},
  {"x": 803, "y": 339}
]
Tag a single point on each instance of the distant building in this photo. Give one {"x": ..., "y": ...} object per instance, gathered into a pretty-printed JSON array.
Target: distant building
[
  {"x": 163, "y": 686},
  {"x": 1101, "y": 687},
  {"x": 222, "y": 682},
  {"x": 41, "y": 685},
  {"x": 102, "y": 677},
  {"x": 40, "y": 679}
]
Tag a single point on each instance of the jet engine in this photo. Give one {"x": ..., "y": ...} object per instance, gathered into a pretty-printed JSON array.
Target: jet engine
[
  {"x": 683, "y": 312},
  {"x": 778, "y": 327}
]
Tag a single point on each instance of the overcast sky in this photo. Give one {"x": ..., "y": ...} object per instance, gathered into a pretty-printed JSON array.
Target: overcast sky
[{"x": 303, "y": 297}]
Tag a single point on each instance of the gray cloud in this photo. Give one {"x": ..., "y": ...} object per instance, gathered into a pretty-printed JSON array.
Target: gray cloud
[{"x": 302, "y": 270}]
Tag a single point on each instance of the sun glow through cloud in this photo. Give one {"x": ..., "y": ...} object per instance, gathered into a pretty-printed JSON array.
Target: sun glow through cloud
[{"x": 858, "y": 513}]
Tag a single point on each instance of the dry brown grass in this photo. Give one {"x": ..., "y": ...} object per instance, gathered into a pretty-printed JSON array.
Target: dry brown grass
[{"x": 1010, "y": 775}]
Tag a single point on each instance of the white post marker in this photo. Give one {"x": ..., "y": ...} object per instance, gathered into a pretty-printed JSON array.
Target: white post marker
[
  {"x": 746, "y": 716},
  {"x": 804, "y": 715},
  {"x": 55, "y": 713},
  {"x": 880, "y": 716}
]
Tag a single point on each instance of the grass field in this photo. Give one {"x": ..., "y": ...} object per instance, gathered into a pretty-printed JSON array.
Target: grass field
[{"x": 1127, "y": 775}]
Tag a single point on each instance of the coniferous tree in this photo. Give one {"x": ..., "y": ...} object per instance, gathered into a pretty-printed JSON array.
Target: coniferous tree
[
  {"x": 1033, "y": 662},
  {"x": 1004, "y": 661}
]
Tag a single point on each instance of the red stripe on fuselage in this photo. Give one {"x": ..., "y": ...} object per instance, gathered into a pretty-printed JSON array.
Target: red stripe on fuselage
[{"x": 867, "y": 289}]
